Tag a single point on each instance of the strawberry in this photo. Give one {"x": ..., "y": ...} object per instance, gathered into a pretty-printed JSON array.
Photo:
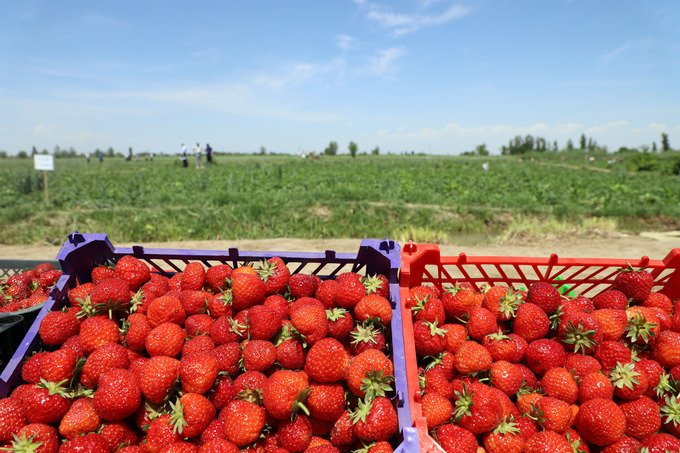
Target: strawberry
[
  {"x": 218, "y": 277},
  {"x": 458, "y": 302},
  {"x": 375, "y": 420},
  {"x": 643, "y": 417},
  {"x": 263, "y": 322},
  {"x": 295, "y": 434},
  {"x": 559, "y": 383},
  {"x": 340, "y": 323},
  {"x": 220, "y": 304},
  {"x": 158, "y": 377},
  {"x": 374, "y": 306},
  {"x": 111, "y": 295},
  {"x": 531, "y": 322},
  {"x": 482, "y": 322},
  {"x": 136, "y": 330},
  {"x": 118, "y": 435},
  {"x": 600, "y": 421},
  {"x": 166, "y": 309},
  {"x": 225, "y": 329},
  {"x": 36, "y": 437},
  {"x": 505, "y": 438},
  {"x": 243, "y": 422},
  {"x": 612, "y": 299},
  {"x": 228, "y": 356},
  {"x": 500, "y": 346},
  {"x": 259, "y": 355},
  {"x": 544, "y": 354},
  {"x": 133, "y": 270},
  {"x": 311, "y": 322},
  {"x": 247, "y": 290},
  {"x": 667, "y": 349},
  {"x": 327, "y": 361},
  {"x": 57, "y": 326},
  {"x": 46, "y": 402},
  {"x": 90, "y": 442},
  {"x": 12, "y": 418},
  {"x": 610, "y": 353},
  {"x": 643, "y": 325},
  {"x": 165, "y": 339},
  {"x": 325, "y": 293},
  {"x": 428, "y": 338},
  {"x": 284, "y": 393},
  {"x": 660, "y": 442},
  {"x": 78, "y": 294},
  {"x": 595, "y": 385},
  {"x": 429, "y": 309},
  {"x": 118, "y": 395},
  {"x": 102, "y": 272},
  {"x": 193, "y": 277},
  {"x": 545, "y": 296},
  {"x": 369, "y": 373},
  {"x": 477, "y": 409},
  {"x": 659, "y": 300},
  {"x": 30, "y": 372},
  {"x": 49, "y": 279},
  {"x": 106, "y": 357},
  {"x": 547, "y": 442},
  {"x": 418, "y": 293},
  {"x": 635, "y": 284},
  {"x": 506, "y": 377},
  {"x": 96, "y": 331},
  {"x": 613, "y": 322},
  {"x": 350, "y": 291},
  {"x": 191, "y": 414},
  {"x": 502, "y": 302},
  {"x": 275, "y": 275},
  {"x": 472, "y": 357},
  {"x": 552, "y": 414},
  {"x": 194, "y": 301},
  {"x": 326, "y": 400},
  {"x": 58, "y": 366},
  {"x": 366, "y": 336},
  {"x": 290, "y": 354},
  {"x": 198, "y": 372},
  {"x": 580, "y": 332},
  {"x": 160, "y": 434},
  {"x": 436, "y": 409},
  {"x": 302, "y": 285},
  {"x": 81, "y": 418},
  {"x": 454, "y": 439},
  {"x": 198, "y": 325},
  {"x": 629, "y": 382}
]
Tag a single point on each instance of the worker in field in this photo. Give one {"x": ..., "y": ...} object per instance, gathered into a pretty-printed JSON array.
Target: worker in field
[{"x": 183, "y": 156}]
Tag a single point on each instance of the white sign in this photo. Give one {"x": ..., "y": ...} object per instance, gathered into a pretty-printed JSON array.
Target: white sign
[{"x": 43, "y": 162}]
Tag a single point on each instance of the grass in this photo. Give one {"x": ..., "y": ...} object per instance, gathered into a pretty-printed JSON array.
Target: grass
[{"x": 424, "y": 198}]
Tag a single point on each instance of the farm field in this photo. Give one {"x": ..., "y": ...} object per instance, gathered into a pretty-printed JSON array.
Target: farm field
[{"x": 423, "y": 198}]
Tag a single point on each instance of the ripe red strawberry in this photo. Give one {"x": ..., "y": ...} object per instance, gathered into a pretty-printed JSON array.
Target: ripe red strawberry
[
  {"x": 118, "y": 395},
  {"x": 545, "y": 296},
  {"x": 375, "y": 420},
  {"x": 220, "y": 304},
  {"x": 311, "y": 322},
  {"x": 580, "y": 332},
  {"x": 369, "y": 372},
  {"x": 194, "y": 301},
  {"x": 111, "y": 295},
  {"x": 610, "y": 299},
  {"x": 628, "y": 381},
  {"x": 418, "y": 293},
  {"x": 290, "y": 353},
  {"x": 643, "y": 417},
  {"x": 437, "y": 410},
  {"x": 377, "y": 284},
  {"x": 506, "y": 377},
  {"x": 366, "y": 336},
  {"x": 303, "y": 285},
  {"x": 133, "y": 270},
  {"x": 263, "y": 322},
  {"x": 106, "y": 357},
  {"x": 505, "y": 438},
  {"x": 58, "y": 366},
  {"x": 166, "y": 309},
  {"x": 166, "y": 339},
  {"x": 325, "y": 293},
  {"x": 429, "y": 309},
  {"x": 635, "y": 284},
  {"x": 667, "y": 349},
  {"x": 78, "y": 294},
  {"x": 660, "y": 442},
  {"x": 36, "y": 437},
  {"x": 46, "y": 403},
  {"x": 118, "y": 435},
  {"x": 500, "y": 346},
  {"x": 49, "y": 279},
  {"x": 30, "y": 372},
  {"x": 610, "y": 353},
  {"x": 96, "y": 331},
  {"x": 472, "y": 357},
  {"x": 259, "y": 355},
  {"x": 502, "y": 302},
  {"x": 12, "y": 418},
  {"x": 552, "y": 414},
  {"x": 295, "y": 434},
  {"x": 193, "y": 277},
  {"x": 531, "y": 322},
  {"x": 477, "y": 408},
  {"x": 428, "y": 338},
  {"x": 374, "y": 306},
  {"x": 327, "y": 361},
  {"x": 199, "y": 325},
  {"x": 340, "y": 323},
  {"x": 136, "y": 330},
  {"x": 160, "y": 434},
  {"x": 326, "y": 400},
  {"x": 243, "y": 422},
  {"x": 482, "y": 322},
  {"x": 81, "y": 418},
  {"x": 613, "y": 322},
  {"x": 458, "y": 302},
  {"x": 158, "y": 377},
  {"x": 547, "y": 442},
  {"x": 600, "y": 421},
  {"x": 218, "y": 277},
  {"x": 659, "y": 300},
  {"x": 247, "y": 290},
  {"x": 544, "y": 354},
  {"x": 284, "y": 393},
  {"x": 274, "y": 273},
  {"x": 559, "y": 383},
  {"x": 595, "y": 385},
  {"x": 102, "y": 272},
  {"x": 90, "y": 442},
  {"x": 198, "y": 372},
  {"x": 191, "y": 414},
  {"x": 350, "y": 291},
  {"x": 57, "y": 326}
]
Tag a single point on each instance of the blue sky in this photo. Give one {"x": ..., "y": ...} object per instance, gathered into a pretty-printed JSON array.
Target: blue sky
[{"x": 433, "y": 76}]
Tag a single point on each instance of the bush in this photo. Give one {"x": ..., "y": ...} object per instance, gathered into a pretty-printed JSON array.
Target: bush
[{"x": 644, "y": 162}]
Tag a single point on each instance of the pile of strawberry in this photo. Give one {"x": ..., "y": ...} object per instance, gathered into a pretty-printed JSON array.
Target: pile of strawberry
[
  {"x": 27, "y": 289},
  {"x": 534, "y": 371},
  {"x": 210, "y": 360}
]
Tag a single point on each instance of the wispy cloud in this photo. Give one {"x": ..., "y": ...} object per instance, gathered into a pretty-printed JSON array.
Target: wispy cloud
[
  {"x": 404, "y": 23},
  {"x": 344, "y": 42},
  {"x": 630, "y": 45},
  {"x": 383, "y": 63},
  {"x": 296, "y": 74}
]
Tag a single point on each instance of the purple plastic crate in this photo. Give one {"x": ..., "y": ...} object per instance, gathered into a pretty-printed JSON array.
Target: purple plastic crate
[{"x": 82, "y": 252}]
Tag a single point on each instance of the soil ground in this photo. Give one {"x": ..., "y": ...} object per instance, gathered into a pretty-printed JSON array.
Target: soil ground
[{"x": 611, "y": 245}]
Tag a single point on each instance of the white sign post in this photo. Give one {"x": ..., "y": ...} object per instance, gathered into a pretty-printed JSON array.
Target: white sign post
[{"x": 44, "y": 162}]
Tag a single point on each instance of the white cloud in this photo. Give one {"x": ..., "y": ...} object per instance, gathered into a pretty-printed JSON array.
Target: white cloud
[
  {"x": 384, "y": 62},
  {"x": 630, "y": 45},
  {"x": 402, "y": 24},
  {"x": 344, "y": 42}
]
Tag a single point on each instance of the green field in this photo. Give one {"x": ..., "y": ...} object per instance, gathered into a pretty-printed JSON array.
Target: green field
[{"x": 424, "y": 198}]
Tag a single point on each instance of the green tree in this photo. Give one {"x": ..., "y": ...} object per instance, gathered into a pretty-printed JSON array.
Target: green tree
[
  {"x": 263, "y": 150},
  {"x": 22, "y": 154},
  {"x": 664, "y": 142},
  {"x": 110, "y": 152},
  {"x": 570, "y": 145},
  {"x": 375, "y": 151},
  {"x": 353, "y": 148},
  {"x": 331, "y": 149},
  {"x": 34, "y": 151},
  {"x": 555, "y": 148},
  {"x": 654, "y": 147},
  {"x": 481, "y": 150},
  {"x": 583, "y": 142}
]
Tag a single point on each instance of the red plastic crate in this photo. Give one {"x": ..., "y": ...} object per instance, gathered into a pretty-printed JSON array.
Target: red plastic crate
[
  {"x": 423, "y": 264},
  {"x": 82, "y": 252}
]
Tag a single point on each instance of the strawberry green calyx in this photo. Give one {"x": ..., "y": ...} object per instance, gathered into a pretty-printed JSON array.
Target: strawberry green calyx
[
  {"x": 624, "y": 375},
  {"x": 434, "y": 360},
  {"x": 509, "y": 303},
  {"x": 253, "y": 395},
  {"x": 55, "y": 388},
  {"x": 299, "y": 403},
  {"x": 333, "y": 314},
  {"x": 24, "y": 444},
  {"x": 376, "y": 384},
  {"x": 373, "y": 284},
  {"x": 361, "y": 412},
  {"x": 435, "y": 329},
  {"x": 507, "y": 426},
  {"x": 670, "y": 411},
  {"x": 136, "y": 301},
  {"x": 463, "y": 404},
  {"x": 639, "y": 328},
  {"x": 364, "y": 333},
  {"x": 177, "y": 417},
  {"x": 580, "y": 337},
  {"x": 575, "y": 444},
  {"x": 665, "y": 386}
]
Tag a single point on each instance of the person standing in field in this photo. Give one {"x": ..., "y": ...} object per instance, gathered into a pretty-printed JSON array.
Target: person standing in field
[
  {"x": 199, "y": 155},
  {"x": 183, "y": 156},
  {"x": 208, "y": 153}
]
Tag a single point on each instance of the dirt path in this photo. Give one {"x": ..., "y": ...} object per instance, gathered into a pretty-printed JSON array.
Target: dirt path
[{"x": 653, "y": 245}]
